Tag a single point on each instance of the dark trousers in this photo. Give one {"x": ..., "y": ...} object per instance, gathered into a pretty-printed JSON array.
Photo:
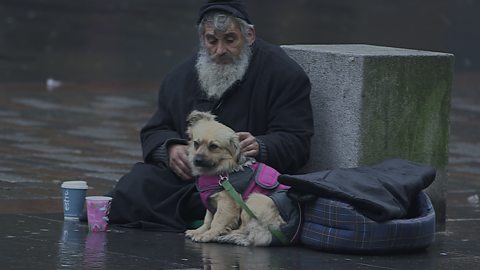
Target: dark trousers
[{"x": 153, "y": 197}]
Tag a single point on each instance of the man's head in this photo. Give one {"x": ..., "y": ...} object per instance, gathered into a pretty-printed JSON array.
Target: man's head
[
  {"x": 225, "y": 40},
  {"x": 225, "y": 36}
]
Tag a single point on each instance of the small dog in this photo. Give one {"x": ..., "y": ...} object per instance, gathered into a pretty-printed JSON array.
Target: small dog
[{"x": 214, "y": 149}]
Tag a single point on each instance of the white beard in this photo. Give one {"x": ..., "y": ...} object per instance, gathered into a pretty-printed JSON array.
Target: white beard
[{"x": 215, "y": 78}]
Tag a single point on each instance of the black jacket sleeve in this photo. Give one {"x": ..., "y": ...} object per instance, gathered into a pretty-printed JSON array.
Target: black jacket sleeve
[
  {"x": 159, "y": 130},
  {"x": 289, "y": 117}
]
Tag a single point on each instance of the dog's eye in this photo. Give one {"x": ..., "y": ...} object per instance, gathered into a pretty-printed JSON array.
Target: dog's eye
[
  {"x": 195, "y": 144},
  {"x": 213, "y": 147}
]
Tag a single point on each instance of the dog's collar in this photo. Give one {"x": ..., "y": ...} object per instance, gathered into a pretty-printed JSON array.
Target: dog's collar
[{"x": 248, "y": 164}]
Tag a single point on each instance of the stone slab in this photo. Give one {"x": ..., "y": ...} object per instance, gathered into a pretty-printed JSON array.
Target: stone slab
[{"x": 372, "y": 103}]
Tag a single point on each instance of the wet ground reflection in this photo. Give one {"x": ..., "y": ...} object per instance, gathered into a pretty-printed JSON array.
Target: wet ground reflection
[
  {"x": 78, "y": 247},
  {"x": 70, "y": 246},
  {"x": 95, "y": 250},
  {"x": 214, "y": 257}
]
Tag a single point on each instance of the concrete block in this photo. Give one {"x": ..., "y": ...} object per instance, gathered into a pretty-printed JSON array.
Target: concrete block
[{"x": 371, "y": 103}]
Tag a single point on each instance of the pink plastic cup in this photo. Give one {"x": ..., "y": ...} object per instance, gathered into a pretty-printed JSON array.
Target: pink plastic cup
[{"x": 98, "y": 208}]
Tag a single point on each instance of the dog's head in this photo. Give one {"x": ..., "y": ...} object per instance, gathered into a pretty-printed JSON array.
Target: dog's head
[{"x": 213, "y": 147}]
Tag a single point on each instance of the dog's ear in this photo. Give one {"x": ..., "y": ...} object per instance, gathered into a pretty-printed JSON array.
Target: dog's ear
[
  {"x": 235, "y": 145},
  {"x": 189, "y": 133},
  {"x": 195, "y": 116}
]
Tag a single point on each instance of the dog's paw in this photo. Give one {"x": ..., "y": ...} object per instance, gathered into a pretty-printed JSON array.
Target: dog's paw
[
  {"x": 189, "y": 233},
  {"x": 197, "y": 236},
  {"x": 194, "y": 234},
  {"x": 233, "y": 238},
  {"x": 208, "y": 236}
]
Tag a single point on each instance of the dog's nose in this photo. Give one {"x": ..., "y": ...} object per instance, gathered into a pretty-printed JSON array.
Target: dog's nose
[{"x": 201, "y": 161}]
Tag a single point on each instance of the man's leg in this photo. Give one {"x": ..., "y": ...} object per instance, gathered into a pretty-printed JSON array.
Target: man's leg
[{"x": 151, "y": 196}]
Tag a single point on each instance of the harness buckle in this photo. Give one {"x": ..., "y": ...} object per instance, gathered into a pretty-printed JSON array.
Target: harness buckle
[{"x": 222, "y": 179}]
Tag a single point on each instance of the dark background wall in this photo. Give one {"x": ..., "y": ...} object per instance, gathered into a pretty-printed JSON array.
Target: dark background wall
[{"x": 135, "y": 40}]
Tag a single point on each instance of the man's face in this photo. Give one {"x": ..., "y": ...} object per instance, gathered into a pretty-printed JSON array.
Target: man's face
[{"x": 223, "y": 47}]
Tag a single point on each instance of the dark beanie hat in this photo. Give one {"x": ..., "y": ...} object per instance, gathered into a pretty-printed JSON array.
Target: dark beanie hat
[{"x": 234, "y": 7}]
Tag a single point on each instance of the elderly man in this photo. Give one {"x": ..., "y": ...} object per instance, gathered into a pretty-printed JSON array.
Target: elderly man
[{"x": 251, "y": 85}]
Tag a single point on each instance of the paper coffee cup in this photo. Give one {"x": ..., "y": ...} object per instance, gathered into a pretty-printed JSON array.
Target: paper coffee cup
[
  {"x": 73, "y": 194},
  {"x": 98, "y": 208}
]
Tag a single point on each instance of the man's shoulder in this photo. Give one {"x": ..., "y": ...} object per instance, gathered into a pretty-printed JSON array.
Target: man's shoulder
[
  {"x": 180, "y": 77},
  {"x": 267, "y": 49},
  {"x": 275, "y": 58},
  {"x": 182, "y": 70}
]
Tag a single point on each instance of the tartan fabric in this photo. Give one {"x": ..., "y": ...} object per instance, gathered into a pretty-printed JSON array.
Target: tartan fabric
[{"x": 336, "y": 226}]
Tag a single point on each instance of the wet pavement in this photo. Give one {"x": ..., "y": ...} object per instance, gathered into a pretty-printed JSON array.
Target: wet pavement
[
  {"x": 90, "y": 132},
  {"x": 75, "y": 132}
]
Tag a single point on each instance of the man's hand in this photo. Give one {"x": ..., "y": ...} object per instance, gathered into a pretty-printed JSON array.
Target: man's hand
[
  {"x": 178, "y": 161},
  {"x": 248, "y": 144}
]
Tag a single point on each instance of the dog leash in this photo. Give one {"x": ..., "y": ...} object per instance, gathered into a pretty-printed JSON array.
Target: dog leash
[{"x": 225, "y": 183}]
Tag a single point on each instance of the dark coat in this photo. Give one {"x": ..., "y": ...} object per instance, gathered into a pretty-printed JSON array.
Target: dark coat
[
  {"x": 382, "y": 192},
  {"x": 271, "y": 102}
]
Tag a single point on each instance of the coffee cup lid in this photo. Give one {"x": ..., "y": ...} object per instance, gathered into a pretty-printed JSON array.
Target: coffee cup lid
[
  {"x": 98, "y": 198},
  {"x": 75, "y": 184}
]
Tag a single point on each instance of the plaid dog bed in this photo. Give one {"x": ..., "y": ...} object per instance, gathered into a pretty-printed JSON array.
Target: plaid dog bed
[{"x": 335, "y": 226}]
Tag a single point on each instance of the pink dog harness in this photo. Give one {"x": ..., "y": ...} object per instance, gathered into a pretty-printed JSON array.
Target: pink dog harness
[{"x": 256, "y": 178}]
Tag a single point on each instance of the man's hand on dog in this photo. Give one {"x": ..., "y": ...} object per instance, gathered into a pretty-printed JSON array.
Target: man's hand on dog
[
  {"x": 178, "y": 161},
  {"x": 248, "y": 144}
]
